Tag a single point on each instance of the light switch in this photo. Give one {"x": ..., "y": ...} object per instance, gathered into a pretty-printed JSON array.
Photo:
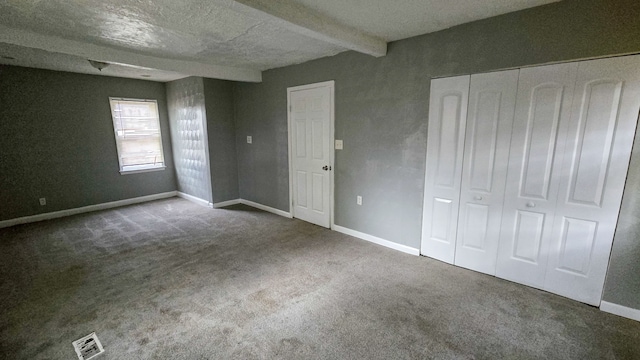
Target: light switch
[
  {"x": 249, "y": 140},
  {"x": 338, "y": 144}
]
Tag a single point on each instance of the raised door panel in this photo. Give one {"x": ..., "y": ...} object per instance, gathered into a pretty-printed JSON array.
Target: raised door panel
[
  {"x": 543, "y": 108},
  {"x": 474, "y": 226},
  {"x": 540, "y": 132},
  {"x": 301, "y": 189},
  {"x": 527, "y": 236},
  {"x": 597, "y": 151},
  {"x": 575, "y": 249},
  {"x": 593, "y": 140},
  {"x": 449, "y": 145},
  {"x": 492, "y": 99},
  {"x": 317, "y": 186},
  {"x": 445, "y": 148},
  {"x": 300, "y": 144}
]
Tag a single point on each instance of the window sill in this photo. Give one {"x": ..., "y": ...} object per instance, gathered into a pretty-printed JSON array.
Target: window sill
[{"x": 142, "y": 170}]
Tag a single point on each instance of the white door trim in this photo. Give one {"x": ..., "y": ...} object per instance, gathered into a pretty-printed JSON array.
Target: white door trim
[{"x": 331, "y": 85}]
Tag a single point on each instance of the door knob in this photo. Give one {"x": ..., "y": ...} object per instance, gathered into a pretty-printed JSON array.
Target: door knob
[
  {"x": 531, "y": 205},
  {"x": 477, "y": 198},
  {"x": 326, "y": 167}
]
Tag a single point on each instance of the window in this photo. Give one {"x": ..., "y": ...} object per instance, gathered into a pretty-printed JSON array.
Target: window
[{"x": 138, "y": 139}]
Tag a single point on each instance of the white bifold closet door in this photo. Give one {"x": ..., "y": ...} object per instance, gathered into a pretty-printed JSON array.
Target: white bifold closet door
[
  {"x": 492, "y": 99},
  {"x": 600, "y": 136},
  {"x": 572, "y": 138},
  {"x": 466, "y": 167},
  {"x": 445, "y": 149},
  {"x": 543, "y": 107},
  {"x": 528, "y": 184}
]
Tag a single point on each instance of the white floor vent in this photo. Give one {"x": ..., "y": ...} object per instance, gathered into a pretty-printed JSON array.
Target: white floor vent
[{"x": 88, "y": 347}]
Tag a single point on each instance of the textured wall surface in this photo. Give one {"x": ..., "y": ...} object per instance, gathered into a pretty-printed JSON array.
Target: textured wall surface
[
  {"x": 58, "y": 141},
  {"x": 623, "y": 278},
  {"x": 222, "y": 139},
  {"x": 187, "y": 117},
  {"x": 382, "y": 108},
  {"x": 263, "y": 166}
]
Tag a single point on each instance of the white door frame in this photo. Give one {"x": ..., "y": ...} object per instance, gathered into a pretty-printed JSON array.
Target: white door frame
[{"x": 331, "y": 85}]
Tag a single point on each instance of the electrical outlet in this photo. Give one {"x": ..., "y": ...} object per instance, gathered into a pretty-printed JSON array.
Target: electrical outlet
[
  {"x": 338, "y": 144},
  {"x": 359, "y": 200},
  {"x": 43, "y": 201},
  {"x": 249, "y": 140}
]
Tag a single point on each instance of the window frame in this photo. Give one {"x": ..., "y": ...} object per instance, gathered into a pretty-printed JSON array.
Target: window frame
[{"x": 135, "y": 169}]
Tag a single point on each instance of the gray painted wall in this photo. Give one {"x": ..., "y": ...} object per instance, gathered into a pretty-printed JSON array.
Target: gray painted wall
[
  {"x": 58, "y": 141},
  {"x": 187, "y": 118},
  {"x": 382, "y": 107},
  {"x": 623, "y": 278},
  {"x": 222, "y": 139},
  {"x": 260, "y": 112}
]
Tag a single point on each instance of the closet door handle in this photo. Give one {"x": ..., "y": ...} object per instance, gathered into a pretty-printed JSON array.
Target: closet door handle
[
  {"x": 477, "y": 198},
  {"x": 531, "y": 205}
]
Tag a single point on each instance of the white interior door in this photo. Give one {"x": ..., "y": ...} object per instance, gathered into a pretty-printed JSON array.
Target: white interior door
[
  {"x": 445, "y": 149},
  {"x": 311, "y": 151},
  {"x": 598, "y": 147},
  {"x": 492, "y": 100},
  {"x": 543, "y": 109}
]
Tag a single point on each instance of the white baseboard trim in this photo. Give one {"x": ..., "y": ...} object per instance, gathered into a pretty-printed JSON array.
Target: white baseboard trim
[
  {"x": 222, "y": 204},
  {"x": 85, "y": 209},
  {"x": 194, "y": 199},
  {"x": 630, "y": 313},
  {"x": 266, "y": 208},
  {"x": 377, "y": 240}
]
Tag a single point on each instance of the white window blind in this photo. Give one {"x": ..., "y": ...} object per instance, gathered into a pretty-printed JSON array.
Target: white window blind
[{"x": 138, "y": 139}]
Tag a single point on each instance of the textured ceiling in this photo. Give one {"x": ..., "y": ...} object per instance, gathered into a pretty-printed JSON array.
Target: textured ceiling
[
  {"x": 395, "y": 20},
  {"x": 40, "y": 59},
  {"x": 199, "y": 30},
  {"x": 219, "y": 38}
]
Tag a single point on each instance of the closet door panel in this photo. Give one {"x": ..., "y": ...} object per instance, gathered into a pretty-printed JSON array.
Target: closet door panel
[
  {"x": 492, "y": 100},
  {"x": 542, "y": 112},
  {"x": 445, "y": 149},
  {"x": 597, "y": 151},
  {"x": 528, "y": 236}
]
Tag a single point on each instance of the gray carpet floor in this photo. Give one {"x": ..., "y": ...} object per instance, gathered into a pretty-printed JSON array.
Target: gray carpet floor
[{"x": 173, "y": 280}]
